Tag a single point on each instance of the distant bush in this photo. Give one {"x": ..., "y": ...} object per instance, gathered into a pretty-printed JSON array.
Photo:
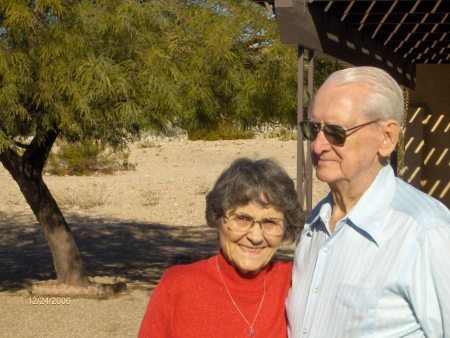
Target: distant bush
[
  {"x": 202, "y": 189},
  {"x": 148, "y": 144},
  {"x": 223, "y": 132},
  {"x": 282, "y": 133},
  {"x": 150, "y": 198},
  {"x": 287, "y": 134},
  {"x": 81, "y": 197},
  {"x": 87, "y": 158}
]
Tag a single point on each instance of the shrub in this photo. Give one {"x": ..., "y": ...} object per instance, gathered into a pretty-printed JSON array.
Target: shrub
[
  {"x": 150, "y": 198},
  {"x": 148, "y": 144},
  {"x": 202, "y": 189},
  {"x": 76, "y": 197},
  {"x": 87, "y": 158},
  {"x": 223, "y": 132},
  {"x": 282, "y": 133}
]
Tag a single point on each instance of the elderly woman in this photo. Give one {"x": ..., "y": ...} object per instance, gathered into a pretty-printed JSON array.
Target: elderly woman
[{"x": 239, "y": 292}]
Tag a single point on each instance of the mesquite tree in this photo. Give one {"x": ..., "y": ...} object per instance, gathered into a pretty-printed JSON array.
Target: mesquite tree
[
  {"x": 106, "y": 70},
  {"x": 66, "y": 70}
]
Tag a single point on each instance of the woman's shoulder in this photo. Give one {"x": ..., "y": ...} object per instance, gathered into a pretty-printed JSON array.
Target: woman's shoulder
[
  {"x": 283, "y": 267},
  {"x": 280, "y": 276},
  {"x": 186, "y": 273}
]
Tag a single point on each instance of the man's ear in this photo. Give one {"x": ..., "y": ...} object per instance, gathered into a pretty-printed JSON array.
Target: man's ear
[{"x": 391, "y": 131}]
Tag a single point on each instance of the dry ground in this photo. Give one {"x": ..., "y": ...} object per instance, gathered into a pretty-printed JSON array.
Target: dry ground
[{"x": 131, "y": 224}]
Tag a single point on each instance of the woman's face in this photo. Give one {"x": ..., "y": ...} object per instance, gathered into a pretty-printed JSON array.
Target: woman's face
[{"x": 250, "y": 251}]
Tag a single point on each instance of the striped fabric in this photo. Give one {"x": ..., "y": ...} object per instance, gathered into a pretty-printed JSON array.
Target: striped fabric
[{"x": 383, "y": 272}]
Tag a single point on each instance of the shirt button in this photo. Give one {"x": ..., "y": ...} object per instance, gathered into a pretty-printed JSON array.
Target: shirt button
[
  {"x": 325, "y": 249},
  {"x": 305, "y": 331},
  {"x": 316, "y": 290}
]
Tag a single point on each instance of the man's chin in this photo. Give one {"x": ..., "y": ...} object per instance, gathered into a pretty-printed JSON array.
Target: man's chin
[{"x": 325, "y": 176}]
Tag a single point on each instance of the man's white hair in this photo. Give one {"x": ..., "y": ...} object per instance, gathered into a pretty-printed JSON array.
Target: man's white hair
[{"x": 385, "y": 98}]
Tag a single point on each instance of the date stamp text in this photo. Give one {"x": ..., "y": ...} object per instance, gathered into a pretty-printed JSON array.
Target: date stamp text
[{"x": 49, "y": 300}]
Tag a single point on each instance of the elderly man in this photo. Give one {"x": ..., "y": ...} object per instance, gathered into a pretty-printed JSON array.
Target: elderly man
[{"x": 374, "y": 257}]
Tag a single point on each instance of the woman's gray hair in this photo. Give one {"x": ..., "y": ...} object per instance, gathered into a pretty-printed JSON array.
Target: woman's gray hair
[
  {"x": 262, "y": 181},
  {"x": 385, "y": 98}
]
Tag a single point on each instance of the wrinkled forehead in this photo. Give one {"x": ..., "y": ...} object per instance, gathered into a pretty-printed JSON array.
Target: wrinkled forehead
[{"x": 334, "y": 101}]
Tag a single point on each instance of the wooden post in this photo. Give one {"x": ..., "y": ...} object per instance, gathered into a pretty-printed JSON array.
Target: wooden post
[
  {"x": 300, "y": 152},
  {"x": 308, "y": 167}
]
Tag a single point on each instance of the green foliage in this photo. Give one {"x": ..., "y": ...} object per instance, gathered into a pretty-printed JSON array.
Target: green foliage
[
  {"x": 107, "y": 70},
  {"x": 87, "y": 158},
  {"x": 222, "y": 132}
]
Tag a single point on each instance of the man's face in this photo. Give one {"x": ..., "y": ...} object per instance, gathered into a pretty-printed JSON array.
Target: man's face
[{"x": 357, "y": 161}]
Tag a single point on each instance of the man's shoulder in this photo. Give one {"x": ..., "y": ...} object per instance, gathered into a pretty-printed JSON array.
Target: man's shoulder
[{"x": 418, "y": 205}]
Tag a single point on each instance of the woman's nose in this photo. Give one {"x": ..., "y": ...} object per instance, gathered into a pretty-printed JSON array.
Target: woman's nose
[{"x": 255, "y": 233}]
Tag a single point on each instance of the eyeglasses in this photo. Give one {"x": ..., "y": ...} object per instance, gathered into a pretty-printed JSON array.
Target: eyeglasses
[
  {"x": 336, "y": 135},
  {"x": 243, "y": 223}
]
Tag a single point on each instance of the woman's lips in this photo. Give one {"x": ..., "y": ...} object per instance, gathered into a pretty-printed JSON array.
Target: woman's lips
[{"x": 251, "y": 250}]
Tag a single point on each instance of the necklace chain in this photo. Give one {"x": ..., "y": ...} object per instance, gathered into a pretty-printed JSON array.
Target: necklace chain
[{"x": 252, "y": 331}]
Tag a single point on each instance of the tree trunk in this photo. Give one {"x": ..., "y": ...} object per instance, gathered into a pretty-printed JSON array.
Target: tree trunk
[{"x": 26, "y": 170}]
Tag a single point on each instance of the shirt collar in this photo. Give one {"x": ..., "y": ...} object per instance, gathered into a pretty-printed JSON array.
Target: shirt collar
[
  {"x": 319, "y": 215},
  {"x": 369, "y": 212}
]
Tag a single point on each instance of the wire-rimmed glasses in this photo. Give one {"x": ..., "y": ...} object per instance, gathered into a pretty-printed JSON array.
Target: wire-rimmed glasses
[{"x": 270, "y": 226}]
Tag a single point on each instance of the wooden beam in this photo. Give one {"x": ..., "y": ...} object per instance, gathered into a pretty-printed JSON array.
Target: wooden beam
[{"x": 303, "y": 24}]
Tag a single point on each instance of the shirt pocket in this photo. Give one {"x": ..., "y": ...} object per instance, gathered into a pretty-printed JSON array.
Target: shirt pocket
[{"x": 356, "y": 297}]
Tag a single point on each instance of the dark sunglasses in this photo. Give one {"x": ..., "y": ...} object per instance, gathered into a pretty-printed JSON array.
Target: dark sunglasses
[{"x": 336, "y": 135}]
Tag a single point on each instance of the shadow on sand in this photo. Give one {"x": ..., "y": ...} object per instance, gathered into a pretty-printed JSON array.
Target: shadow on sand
[{"x": 137, "y": 251}]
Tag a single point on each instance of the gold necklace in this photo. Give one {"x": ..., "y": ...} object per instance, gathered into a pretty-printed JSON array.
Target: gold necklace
[{"x": 252, "y": 331}]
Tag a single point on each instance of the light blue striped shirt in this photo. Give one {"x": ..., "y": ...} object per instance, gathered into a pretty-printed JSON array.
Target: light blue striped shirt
[{"x": 383, "y": 272}]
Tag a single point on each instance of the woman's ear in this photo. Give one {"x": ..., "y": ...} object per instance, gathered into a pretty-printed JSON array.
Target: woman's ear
[{"x": 391, "y": 131}]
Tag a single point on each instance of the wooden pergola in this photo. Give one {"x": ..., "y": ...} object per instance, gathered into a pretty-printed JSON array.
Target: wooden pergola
[{"x": 392, "y": 35}]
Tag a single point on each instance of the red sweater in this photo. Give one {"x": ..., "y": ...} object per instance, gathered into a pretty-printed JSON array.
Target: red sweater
[{"x": 191, "y": 301}]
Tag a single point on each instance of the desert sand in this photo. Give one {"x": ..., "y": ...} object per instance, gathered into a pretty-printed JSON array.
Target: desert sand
[{"x": 132, "y": 224}]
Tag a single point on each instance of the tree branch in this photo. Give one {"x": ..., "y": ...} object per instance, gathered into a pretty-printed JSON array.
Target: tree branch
[
  {"x": 21, "y": 145},
  {"x": 11, "y": 161},
  {"x": 37, "y": 152}
]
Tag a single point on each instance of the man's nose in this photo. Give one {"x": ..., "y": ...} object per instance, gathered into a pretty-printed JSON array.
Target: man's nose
[{"x": 320, "y": 144}]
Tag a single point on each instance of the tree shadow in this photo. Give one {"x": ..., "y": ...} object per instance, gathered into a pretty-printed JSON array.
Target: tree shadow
[{"x": 137, "y": 251}]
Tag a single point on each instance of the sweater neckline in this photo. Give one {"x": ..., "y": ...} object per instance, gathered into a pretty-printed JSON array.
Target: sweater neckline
[{"x": 235, "y": 280}]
